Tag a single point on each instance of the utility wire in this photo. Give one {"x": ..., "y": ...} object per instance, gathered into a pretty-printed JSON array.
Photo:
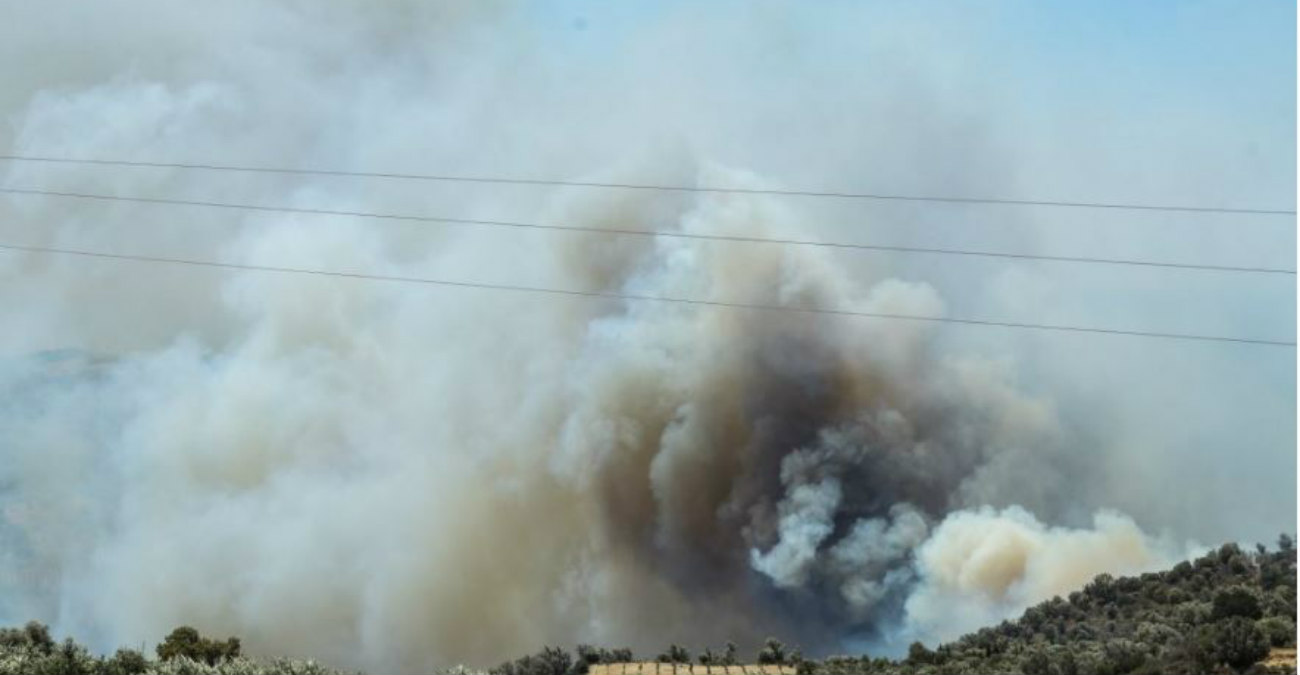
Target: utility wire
[
  {"x": 642, "y": 298},
  {"x": 661, "y": 188},
  {"x": 653, "y": 233}
]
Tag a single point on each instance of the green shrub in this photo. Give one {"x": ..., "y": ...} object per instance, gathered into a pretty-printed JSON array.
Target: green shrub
[
  {"x": 1235, "y": 601},
  {"x": 918, "y": 653},
  {"x": 126, "y": 662},
  {"x": 675, "y": 654},
  {"x": 1122, "y": 656},
  {"x": 1036, "y": 661},
  {"x": 1279, "y": 630},
  {"x": 186, "y": 642},
  {"x": 1236, "y": 642},
  {"x": 35, "y": 636},
  {"x": 550, "y": 661},
  {"x": 772, "y": 652}
]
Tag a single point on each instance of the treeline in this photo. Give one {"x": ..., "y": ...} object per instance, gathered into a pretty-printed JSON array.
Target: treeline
[
  {"x": 1221, "y": 613},
  {"x": 31, "y": 650},
  {"x": 557, "y": 661}
]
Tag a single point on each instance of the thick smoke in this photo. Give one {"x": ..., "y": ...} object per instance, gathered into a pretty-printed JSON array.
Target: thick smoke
[
  {"x": 398, "y": 476},
  {"x": 468, "y": 494},
  {"x": 983, "y": 565}
]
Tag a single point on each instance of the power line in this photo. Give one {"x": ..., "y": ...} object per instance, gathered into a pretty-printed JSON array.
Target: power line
[
  {"x": 661, "y": 188},
  {"x": 653, "y": 233},
  {"x": 642, "y": 298}
]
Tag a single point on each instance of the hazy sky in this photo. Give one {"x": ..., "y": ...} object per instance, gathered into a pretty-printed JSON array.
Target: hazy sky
[
  {"x": 395, "y": 444},
  {"x": 1163, "y": 103}
]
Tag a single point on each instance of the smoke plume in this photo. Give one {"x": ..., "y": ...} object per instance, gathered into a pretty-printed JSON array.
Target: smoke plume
[{"x": 402, "y": 476}]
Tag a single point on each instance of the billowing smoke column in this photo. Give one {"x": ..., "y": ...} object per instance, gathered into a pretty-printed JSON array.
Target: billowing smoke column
[
  {"x": 440, "y": 485},
  {"x": 399, "y": 476}
]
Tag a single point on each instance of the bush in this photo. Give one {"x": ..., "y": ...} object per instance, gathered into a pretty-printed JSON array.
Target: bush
[
  {"x": 187, "y": 642},
  {"x": 772, "y": 652},
  {"x": 589, "y": 656},
  {"x": 1122, "y": 656},
  {"x": 68, "y": 658},
  {"x": 1236, "y": 641},
  {"x": 550, "y": 661},
  {"x": 918, "y": 654},
  {"x": 1036, "y": 661},
  {"x": 1102, "y": 589},
  {"x": 126, "y": 662},
  {"x": 1281, "y": 602},
  {"x": 34, "y": 636},
  {"x": 1235, "y": 601},
  {"x": 1151, "y": 633},
  {"x": 1279, "y": 630}
]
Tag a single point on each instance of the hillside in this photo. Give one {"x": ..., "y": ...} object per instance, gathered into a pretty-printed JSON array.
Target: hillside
[
  {"x": 1224, "y": 612},
  {"x": 1219, "y": 613},
  {"x": 1228, "y": 611}
]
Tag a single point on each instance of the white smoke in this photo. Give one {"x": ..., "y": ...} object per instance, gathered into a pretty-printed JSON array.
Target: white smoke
[
  {"x": 807, "y": 515},
  {"x": 983, "y": 565},
  {"x": 400, "y": 476},
  {"x": 868, "y": 558}
]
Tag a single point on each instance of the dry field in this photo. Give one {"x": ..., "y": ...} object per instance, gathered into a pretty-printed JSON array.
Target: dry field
[
  {"x": 651, "y": 668},
  {"x": 1281, "y": 659}
]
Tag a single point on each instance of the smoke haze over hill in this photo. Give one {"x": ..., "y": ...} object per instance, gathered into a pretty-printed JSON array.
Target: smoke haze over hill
[{"x": 395, "y": 476}]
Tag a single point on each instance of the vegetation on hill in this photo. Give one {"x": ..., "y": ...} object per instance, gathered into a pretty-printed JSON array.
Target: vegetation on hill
[
  {"x": 31, "y": 650},
  {"x": 1221, "y": 613}
]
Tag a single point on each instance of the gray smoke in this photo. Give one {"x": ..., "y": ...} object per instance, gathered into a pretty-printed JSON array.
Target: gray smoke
[{"x": 399, "y": 476}]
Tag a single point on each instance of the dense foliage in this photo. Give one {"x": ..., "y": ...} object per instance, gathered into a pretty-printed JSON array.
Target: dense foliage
[
  {"x": 185, "y": 642},
  {"x": 1221, "y": 613},
  {"x": 31, "y": 651}
]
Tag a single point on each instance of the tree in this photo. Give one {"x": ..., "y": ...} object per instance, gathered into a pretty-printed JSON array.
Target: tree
[
  {"x": 1280, "y": 630},
  {"x": 1123, "y": 656},
  {"x": 35, "y": 635},
  {"x": 550, "y": 661},
  {"x": 186, "y": 641},
  {"x": 73, "y": 659},
  {"x": 126, "y": 662},
  {"x": 772, "y": 652},
  {"x": 918, "y": 654},
  {"x": 675, "y": 654},
  {"x": 1285, "y": 543},
  {"x": 1036, "y": 661},
  {"x": 1235, "y": 641},
  {"x": 1102, "y": 588},
  {"x": 729, "y": 657},
  {"x": 1235, "y": 601}
]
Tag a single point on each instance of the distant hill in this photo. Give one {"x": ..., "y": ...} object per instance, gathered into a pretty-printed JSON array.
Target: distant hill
[
  {"x": 1223, "y": 612},
  {"x": 1228, "y": 611}
]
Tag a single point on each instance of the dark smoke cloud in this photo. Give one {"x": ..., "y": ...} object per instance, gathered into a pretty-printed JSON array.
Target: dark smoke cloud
[{"x": 399, "y": 477}]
